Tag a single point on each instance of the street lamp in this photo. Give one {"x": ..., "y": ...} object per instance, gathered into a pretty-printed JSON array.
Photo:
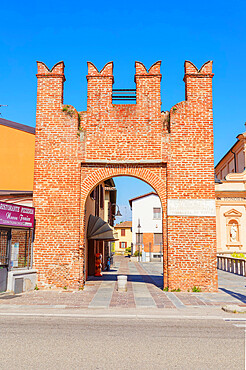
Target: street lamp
[
  {"x": 118, "y": 214},
  {"x": 139, "y": 227}
]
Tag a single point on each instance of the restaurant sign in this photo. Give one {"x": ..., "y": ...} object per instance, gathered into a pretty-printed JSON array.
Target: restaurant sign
[{"x": 16, "y": 215}]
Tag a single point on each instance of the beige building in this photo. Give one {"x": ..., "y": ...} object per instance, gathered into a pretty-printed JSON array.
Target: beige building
[
  {"x": 124, "y": 231},
  {"x": 230, "y": 191}
]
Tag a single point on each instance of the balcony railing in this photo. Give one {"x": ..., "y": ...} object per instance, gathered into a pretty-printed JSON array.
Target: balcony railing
[{"x": 232, "y": 264}]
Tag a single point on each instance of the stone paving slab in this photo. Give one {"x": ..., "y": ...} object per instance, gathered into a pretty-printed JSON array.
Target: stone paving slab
[{"x": 143, "y": 291}]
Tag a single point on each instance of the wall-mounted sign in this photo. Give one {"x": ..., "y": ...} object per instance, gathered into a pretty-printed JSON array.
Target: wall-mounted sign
[{"x": 16, "y": 215}]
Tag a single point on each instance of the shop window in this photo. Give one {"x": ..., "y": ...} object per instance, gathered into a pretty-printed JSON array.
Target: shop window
[
  {"x": 20, "y": 248},
  {"x": 123, "y": 232},
  {"x": 157, "y": 213},
  {"x": 3, "y": 247}
]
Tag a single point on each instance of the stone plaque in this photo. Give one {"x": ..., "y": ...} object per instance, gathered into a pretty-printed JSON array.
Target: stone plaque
[{"x": 191, "y": 207}]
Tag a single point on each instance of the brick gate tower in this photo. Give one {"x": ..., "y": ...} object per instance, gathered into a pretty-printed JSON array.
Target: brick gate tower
[{"x": 172, "y": 152}]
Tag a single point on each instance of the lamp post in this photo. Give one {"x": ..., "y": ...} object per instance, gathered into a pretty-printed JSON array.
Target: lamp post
[
  {"x": 139, "y": 227},
  {"x": 118, "y": 214}
]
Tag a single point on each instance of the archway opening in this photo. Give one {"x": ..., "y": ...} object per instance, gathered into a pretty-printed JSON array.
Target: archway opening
[{"x": 124, "y": 225}]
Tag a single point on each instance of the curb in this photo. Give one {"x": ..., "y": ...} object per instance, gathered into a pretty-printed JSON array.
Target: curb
[{"x": 234, "y": 309}]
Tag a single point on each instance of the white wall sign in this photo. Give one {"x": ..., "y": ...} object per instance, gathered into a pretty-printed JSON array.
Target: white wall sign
[{"x": 191, "y": 207}]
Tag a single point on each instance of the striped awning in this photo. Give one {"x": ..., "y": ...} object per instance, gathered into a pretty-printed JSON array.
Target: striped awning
[{"x": 98, "y": 229}]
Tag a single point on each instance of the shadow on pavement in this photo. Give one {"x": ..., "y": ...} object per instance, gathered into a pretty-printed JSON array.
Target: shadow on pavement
[
  {"x": 152, "y": 279},
  {"x": 238, "y": 296}
]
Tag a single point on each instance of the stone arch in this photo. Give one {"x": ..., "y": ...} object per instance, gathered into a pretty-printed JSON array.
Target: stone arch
[
  {"x": 155, "y": 176},
  {"x": 104, "y": 173}
]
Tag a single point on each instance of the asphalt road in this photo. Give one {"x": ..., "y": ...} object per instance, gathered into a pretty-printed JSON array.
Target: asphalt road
[{"x": 113, "y": 343}]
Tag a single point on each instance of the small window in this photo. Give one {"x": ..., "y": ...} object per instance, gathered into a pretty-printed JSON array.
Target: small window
[
  {"x": 123, "y": 245},
  {"x": 157, "y": 213},
  {"x": 157, "y": 239},
  {"x": 123, "y": 232}
]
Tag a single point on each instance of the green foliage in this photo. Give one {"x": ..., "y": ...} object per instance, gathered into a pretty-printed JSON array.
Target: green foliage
[
  {"x": 136, "y": 254},
  {"x": 36, "y": 287},
  {"x": 176, "y": 290},
  {"x": 196, "y": 289},
  {"x": 238, "y": 255},
  {"x": 174, "y": 109},
  {"x": 68, "y": 110},
  {"x": 65, "y": 287},
  {"x": 166, "y": 289}
]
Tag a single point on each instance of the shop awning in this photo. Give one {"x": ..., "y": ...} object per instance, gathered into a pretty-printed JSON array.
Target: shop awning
[{"x": 98, "y": 229}]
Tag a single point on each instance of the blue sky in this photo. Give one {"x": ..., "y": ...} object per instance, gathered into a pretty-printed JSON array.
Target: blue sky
[{"x": 81, "y": 31}]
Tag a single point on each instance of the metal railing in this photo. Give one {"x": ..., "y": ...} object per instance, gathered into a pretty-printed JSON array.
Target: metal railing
[
  {"x": 124, "y": 94},
  {"x": 232, "y": 264}
]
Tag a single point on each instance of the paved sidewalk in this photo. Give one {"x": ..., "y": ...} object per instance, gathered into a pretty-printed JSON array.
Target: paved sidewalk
[{"x": 143, "y": 291}]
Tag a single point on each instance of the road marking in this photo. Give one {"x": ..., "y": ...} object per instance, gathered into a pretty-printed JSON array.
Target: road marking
[
  {"x": 115, "y": 316},
  {"x": 175, "y": 300}
]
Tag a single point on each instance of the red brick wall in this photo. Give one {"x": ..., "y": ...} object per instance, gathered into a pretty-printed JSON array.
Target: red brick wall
[
  {"x": 75, "y": 153},
  {"x": 192, "y": 240},
  {"x": 57, "y": 184}
]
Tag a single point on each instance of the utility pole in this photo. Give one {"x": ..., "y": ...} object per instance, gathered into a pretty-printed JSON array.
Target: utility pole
[{"x": 139, "y": 240}]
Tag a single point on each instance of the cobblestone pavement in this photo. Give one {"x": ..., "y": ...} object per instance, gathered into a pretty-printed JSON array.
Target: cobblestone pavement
[{"x": 144, "y": 290}]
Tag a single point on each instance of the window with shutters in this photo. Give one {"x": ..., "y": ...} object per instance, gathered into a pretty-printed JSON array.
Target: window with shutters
[{"x": 123, "y": 232}]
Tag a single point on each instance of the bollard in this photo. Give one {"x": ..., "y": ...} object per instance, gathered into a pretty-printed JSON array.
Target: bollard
[{"x": 122, "y": 283}]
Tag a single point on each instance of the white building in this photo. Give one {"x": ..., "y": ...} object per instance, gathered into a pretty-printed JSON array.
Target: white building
[{"x": 146, "y": 210}]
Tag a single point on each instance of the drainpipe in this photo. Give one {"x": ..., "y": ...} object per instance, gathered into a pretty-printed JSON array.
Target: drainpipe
[{"x": 235, "y": 160}]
